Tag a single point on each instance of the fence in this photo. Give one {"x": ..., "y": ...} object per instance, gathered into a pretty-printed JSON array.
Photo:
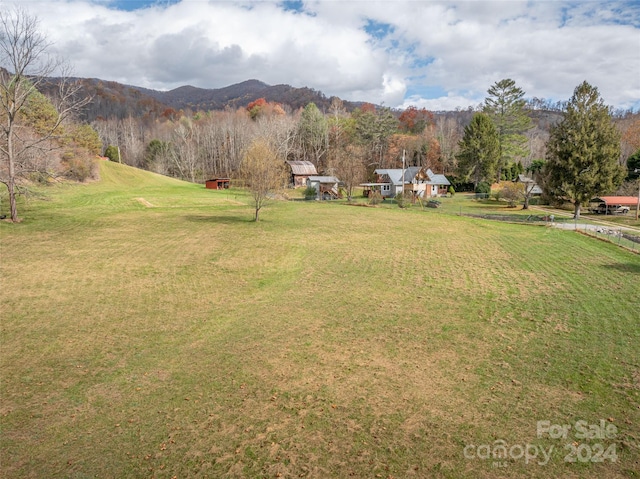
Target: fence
[{"x": 617, "y": 236}]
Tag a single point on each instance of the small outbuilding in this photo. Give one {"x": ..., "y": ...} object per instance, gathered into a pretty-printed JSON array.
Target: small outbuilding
[
  {"x": 327, "y": 187},
  {"x": 300, "y": 173},
  {"x": 613, "y": 204},
  {"x": 217, "y": 184},
  {"x": 531, "y": 188}
]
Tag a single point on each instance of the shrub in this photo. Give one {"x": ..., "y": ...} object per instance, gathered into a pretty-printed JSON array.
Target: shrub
[
  {"x": 375, "y": 198},
  {"x": 511, "y": 192},
  {"x": 451, "y": 190},
  {"x": 78, "y": 168},
  {"x": 404, "y": 200},
  {"x": 112, "y": 153},
  {"x": 310, "y": 193},
  {"x": 483, "y": 188}
]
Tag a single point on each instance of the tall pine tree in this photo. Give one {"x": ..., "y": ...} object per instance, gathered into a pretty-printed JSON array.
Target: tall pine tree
[
  {"x": 479, "y": 150},
  {"x": 583, "y": 151},
  {"x": 506, "y": 108}
]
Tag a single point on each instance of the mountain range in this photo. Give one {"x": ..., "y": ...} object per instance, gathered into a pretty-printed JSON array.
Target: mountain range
[{"x": 112, "y": 99}]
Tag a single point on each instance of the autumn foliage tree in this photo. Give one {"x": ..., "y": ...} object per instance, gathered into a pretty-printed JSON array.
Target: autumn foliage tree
[
  {"x": 262, "y": 107},
  {"x": 414, "y": 121},
  {"x": 255, "y": 107}
]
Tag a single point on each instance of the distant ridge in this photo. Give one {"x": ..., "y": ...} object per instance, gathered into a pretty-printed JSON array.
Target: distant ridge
[
  {"x": 209, "y": 99},
  {"x": 116, "y": 100},
  {"x": 240, "y": 95}
]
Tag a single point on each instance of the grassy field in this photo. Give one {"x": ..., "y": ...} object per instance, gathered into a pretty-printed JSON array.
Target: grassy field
[{"x": 150, "y": 329}]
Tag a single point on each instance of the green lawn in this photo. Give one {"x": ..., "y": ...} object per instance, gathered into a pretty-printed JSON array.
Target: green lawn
[{"x": 149, "y": 328}]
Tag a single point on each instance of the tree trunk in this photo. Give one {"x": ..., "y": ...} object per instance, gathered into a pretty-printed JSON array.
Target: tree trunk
[
  {"x": 12, "y": 199},
  {"x": 11, "y": 184},
  {"x": 576, "y": 213},
  {"x": 257, "y": 212},
  {"x": 526, "y": 203}
]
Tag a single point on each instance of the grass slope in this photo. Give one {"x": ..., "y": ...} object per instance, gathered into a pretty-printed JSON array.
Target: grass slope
[{"x": 150, "y": 329}]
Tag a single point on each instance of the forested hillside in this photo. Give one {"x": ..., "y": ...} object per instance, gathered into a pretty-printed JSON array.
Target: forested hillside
[
  {"x": 194, "y": 133},
  {"x": 115, "y": 100}
]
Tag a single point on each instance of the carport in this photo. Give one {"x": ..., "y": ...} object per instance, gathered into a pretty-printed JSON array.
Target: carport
[{"x": 609, "y": 205}]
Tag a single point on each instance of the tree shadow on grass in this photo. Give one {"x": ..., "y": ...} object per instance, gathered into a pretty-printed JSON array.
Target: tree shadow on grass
[
  {"x": 624, "y": 267},
  {"x": 220, "y": 219}
]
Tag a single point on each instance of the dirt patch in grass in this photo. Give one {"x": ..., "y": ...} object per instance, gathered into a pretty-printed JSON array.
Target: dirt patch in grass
[{"x": 144, "y": 202}]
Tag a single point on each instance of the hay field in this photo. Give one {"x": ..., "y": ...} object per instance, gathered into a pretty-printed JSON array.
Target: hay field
[{"x": 150, "y": 329}]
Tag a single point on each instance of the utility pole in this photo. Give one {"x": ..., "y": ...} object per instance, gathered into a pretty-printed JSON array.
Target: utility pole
[
  {"x": 402, "y": 179},
  {"x": 638, "y": 203}
]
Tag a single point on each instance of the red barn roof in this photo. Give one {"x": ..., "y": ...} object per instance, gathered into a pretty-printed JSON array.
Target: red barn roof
[{"x": 616, "y": 200}]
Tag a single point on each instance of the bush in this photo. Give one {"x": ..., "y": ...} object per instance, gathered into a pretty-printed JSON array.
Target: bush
[
  {"x": 483, "y": 188},
  {"x": 404, "y": 200},
  {"x": 112, "y": 153},
  {"x": 310, "y": 193},
  {"x": 512, "y": 193},
  {"x": 375, "y": 198},
  {"x": 451, "y": 190},
  {"x": 78, "y": 168}
]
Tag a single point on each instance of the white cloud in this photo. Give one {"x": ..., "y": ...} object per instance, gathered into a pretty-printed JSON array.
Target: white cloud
[{"x": 376, "y": 51}]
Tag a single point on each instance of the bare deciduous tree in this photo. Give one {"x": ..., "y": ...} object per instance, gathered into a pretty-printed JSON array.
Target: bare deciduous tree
[
  {"x": 263, "y": 172},
  {"x": 26, "y": 65},
  {"x": 350, "y": 167}
]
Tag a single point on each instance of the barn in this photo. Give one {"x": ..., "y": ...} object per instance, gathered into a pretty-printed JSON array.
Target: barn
[
  {"x": 300, "y": 171},
  {"x": 217, "y": 184}
]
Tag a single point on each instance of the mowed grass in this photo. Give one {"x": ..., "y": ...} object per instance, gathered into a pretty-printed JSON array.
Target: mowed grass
[{"x": 151, "y": 329}]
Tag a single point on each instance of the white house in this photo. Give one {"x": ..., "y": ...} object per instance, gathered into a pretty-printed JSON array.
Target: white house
[{"x": 423, "y": 183}]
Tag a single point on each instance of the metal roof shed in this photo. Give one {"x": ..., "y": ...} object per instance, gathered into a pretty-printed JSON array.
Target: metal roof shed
[
  {"x": 300, "y": 171},
  {"x": 616, "y": 200}
]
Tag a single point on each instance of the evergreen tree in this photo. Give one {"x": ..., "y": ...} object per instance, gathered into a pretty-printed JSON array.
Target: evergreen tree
[
  {"x": 374, "y": 127},
  {"x": 506, "y": 108},
  {"x": 633, "y": 166},
  {"x": 314, "y": 134},
  {"x": 479, "y": 150},
  {"x": 113, "y": 153},
  {"x": 583, "y": 150}
]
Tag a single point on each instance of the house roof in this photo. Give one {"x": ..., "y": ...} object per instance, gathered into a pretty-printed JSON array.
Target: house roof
[
  {"x": 324, "y": 179},
  {"x": 410, "y": 173},
  {"x": 395, "y": 174},
  {"x": 616, "y": 200},
  {"x": 302, "y": 168},
  {"x": 525, "y": 179},
  {"x": 437, "y": 179},
  {"x": 530, "y": 184}
]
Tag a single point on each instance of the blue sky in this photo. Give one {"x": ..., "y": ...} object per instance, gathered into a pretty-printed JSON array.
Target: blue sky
[{"x": 433, "y": 54}]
